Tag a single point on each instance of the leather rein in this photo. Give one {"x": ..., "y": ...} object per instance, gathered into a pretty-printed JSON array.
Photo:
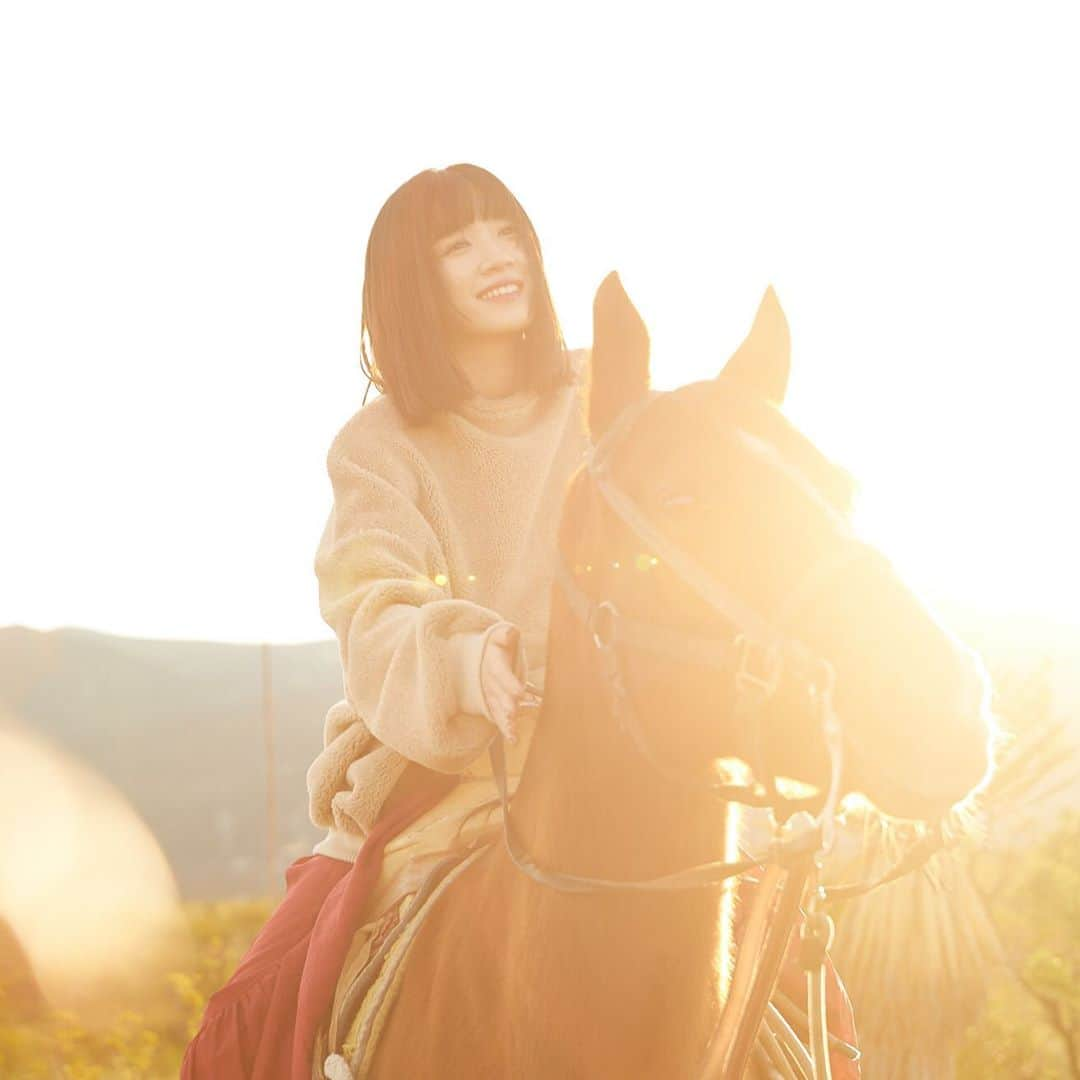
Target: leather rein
[{"x": 758, "y": 654}]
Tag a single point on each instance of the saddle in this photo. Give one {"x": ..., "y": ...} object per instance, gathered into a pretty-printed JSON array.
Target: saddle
[{"x": 378, "y": 959}]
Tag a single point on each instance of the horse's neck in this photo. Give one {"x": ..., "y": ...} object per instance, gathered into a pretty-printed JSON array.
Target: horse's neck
[{"x": 589, "y": 804}]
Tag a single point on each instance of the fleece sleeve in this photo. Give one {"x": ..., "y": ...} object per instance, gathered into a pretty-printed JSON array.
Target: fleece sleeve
[{"x": 410, "y": 651}]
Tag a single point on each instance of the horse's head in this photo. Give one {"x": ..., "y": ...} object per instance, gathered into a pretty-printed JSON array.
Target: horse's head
[{"x": 719, "y": 471}]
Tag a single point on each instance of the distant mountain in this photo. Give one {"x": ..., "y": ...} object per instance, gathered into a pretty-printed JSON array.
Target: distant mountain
[{"x": 177, "y": 728}]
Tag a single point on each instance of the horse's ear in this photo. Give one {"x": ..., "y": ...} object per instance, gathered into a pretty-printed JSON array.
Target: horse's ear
[
  {"x": 763, "y": 361},
  {"x": 619, "y": 373}
]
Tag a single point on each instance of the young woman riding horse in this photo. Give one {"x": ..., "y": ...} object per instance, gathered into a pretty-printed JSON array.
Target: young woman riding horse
[
  {"x": 708, "y": 552},
  {"x": 434, "y": 571}
]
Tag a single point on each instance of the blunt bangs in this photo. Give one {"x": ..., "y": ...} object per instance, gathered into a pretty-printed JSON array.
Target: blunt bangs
[{"x": 461, "y": 195}]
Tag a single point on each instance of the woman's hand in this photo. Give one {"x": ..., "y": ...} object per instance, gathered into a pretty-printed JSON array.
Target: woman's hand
[{"x": 502, "y": 689}]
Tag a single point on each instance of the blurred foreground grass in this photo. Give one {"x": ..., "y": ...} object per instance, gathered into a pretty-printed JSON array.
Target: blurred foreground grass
[
  {"x": 1028, "y": 1009},
  {"x": 133, "y": 1045}
]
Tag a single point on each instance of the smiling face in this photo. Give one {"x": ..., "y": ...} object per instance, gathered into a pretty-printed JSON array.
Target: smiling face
[{"x": 487, "y": 284}]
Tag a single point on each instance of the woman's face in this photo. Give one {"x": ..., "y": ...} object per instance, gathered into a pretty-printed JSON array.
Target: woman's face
[{"x": 485, "y": 276}]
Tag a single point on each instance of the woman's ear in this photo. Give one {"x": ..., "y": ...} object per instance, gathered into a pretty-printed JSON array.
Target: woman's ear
[
  {"x": 619, "y": 372},
  {"x": 763, "y": 361}
]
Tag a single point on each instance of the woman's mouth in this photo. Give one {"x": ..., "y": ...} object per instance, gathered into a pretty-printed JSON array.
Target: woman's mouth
[{"x": 501, "y": 293}]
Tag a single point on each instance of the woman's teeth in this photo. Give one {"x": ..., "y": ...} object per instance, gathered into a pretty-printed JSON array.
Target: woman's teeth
[{"x": 502, "y": 290}]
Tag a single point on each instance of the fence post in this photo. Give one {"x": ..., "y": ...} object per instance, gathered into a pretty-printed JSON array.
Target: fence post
[{"x": 271, "y": 781}]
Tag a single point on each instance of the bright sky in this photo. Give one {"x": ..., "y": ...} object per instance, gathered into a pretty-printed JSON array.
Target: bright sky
[{"x": 189, "y": 189}]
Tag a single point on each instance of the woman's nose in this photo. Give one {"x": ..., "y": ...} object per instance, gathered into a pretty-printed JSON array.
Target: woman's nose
[
  {"x": 496, "y": 255},
  {"x": 497, "y": 251}
]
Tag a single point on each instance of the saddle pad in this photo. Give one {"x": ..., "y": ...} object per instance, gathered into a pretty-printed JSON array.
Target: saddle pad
[{"x": 377, "y": 969}]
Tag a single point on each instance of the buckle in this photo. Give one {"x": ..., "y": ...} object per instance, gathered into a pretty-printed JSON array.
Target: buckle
[
  {"x": 757, "y": 667},
  {"x": 603, "y": 642}
]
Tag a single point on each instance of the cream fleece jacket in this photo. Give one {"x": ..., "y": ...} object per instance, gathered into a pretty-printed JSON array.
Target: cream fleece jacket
[{"x": 437, "y": 535}]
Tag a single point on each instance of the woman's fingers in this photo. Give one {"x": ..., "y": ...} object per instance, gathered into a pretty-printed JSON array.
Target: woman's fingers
[
  {"x": 503, "y": 711},
  {"x": 506, "y": 695},
  {"x": 507, "y": 682},
  {"x": 505, "y": 700},
  {"x": 503, "y": 690}
]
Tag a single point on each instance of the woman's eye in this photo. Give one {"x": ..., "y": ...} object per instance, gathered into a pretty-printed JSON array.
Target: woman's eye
[{"x": 456, "y": 245}]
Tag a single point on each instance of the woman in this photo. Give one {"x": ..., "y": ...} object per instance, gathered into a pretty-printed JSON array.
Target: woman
[{"x": 434, "y": 572}]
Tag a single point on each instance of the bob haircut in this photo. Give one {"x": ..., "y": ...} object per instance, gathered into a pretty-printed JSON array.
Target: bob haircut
[{"x": 402, "y": 317}]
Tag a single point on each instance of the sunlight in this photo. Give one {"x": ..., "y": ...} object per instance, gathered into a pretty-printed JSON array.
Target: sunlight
[{"x": 959, "y": 464}]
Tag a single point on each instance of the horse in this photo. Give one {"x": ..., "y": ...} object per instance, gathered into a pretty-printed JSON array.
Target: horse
[{"x": 509, "y": 978}]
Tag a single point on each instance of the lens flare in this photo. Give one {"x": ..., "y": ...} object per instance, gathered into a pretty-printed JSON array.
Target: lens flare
[{"x": 84, "y": 887}]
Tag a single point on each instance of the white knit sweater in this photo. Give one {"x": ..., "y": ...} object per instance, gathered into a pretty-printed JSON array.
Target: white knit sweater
[{"x": 437, "y": 535}]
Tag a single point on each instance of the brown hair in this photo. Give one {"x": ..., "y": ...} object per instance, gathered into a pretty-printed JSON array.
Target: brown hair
[{"x": 409, "y": 356}]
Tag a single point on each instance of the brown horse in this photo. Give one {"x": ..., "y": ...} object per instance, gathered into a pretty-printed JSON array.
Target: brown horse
[{"x": 512, "y": 979}]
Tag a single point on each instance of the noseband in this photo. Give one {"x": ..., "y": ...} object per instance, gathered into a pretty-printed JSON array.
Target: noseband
[{"x": 757, "y": 654}]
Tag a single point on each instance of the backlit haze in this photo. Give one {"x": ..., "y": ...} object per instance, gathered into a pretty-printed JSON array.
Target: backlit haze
[{"x": 190, "y": 189}]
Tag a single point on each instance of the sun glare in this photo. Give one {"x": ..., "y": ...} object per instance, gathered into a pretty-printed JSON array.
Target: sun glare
[
  {"x": 83, "y": 883},
  {"x": 961, "y": 485}
]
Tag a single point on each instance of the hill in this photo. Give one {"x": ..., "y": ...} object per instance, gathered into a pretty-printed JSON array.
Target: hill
[{"x": 177, "y": 728}]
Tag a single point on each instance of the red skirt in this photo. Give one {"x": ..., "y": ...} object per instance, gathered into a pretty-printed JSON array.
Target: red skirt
[{"x": 262, "y": 1024}]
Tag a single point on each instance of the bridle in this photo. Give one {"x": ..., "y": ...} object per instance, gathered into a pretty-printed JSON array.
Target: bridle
[{"x": 757, "y": 655}]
